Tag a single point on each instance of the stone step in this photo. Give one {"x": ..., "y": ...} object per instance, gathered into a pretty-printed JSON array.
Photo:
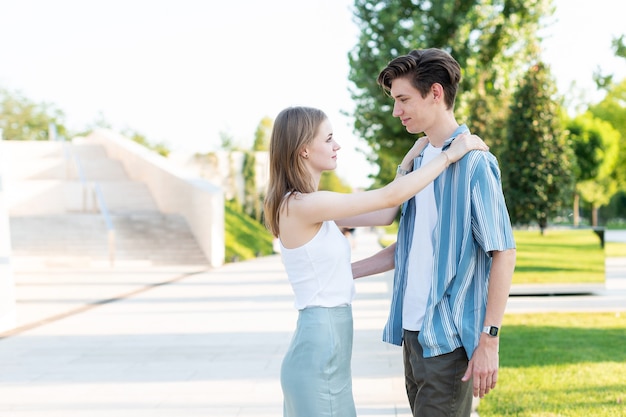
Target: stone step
[
  {"x": 54, "y": 197},
  {"x": 154, "y": 238},
  {"x": 87, "y": 150},
  {"x": 60, "y": 161},
  {"x": 127, "y": 196},
  {"x": 99, "y": 170},
  {"x": 54, "y": 218}
]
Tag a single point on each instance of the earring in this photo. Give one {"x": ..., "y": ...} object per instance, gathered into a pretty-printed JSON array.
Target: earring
[{"x": 306, "y": 156}]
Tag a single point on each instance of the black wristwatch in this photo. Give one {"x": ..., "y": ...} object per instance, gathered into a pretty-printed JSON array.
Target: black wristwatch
[{"x": 491, "y": 330}]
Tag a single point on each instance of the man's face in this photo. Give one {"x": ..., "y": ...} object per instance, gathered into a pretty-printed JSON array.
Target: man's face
[{"x": 414, "y": 111}]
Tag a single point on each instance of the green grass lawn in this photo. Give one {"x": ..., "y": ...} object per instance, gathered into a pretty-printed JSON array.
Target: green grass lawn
[
  {"x": 615, "y": 250},
  {"x": 559, "y": 256},
  {"x": 560, "y": 364}
]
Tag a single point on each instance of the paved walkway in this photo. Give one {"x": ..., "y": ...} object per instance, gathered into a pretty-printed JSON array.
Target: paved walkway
[{"x": 172, "y": 342}]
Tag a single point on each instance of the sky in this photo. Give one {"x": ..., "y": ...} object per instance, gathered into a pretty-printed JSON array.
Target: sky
[{"x": 185, "y": 72}]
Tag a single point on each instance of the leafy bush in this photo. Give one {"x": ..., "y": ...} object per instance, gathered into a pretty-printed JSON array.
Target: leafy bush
[{"x": 245, "y": 237}]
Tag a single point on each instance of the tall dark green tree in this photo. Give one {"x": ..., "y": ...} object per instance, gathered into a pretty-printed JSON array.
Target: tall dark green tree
[
  {"x": 538, "y": 181},
  {"x": 491, "y": 39}
]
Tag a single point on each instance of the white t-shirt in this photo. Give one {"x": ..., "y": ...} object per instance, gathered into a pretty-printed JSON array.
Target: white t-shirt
[{"x": 420, "y": 260}]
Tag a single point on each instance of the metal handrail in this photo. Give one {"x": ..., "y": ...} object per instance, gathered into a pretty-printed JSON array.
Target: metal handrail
[
  {"x": 107, "y": 220},
  {"x": 99, "y": 204}
]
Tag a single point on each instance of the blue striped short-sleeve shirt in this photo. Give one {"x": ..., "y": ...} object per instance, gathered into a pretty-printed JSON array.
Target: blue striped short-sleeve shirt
[{"x": 472, "y": 221}]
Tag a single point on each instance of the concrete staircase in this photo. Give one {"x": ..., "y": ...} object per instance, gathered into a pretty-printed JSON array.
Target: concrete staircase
[{"x": 54, "y": 217}]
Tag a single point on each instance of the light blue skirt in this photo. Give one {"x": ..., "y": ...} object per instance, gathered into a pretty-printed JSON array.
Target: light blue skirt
[{"x": 316, "y": 372}]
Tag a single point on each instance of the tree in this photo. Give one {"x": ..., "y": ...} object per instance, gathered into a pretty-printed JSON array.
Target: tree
[
  {"x": 23, "y": 119},
  {"x": 616, "y": 209},
  {"x": 619, "y": 46},
  {"x": 595, "y": 144},
  {"x": 99, "y": 122},
  {"x": 252, "y": 199},
  {"x": 613, "y": 110},
  {"x": 228, "y": 145},
  {"x": 263, "y": 134},
  {"x": 227, "y": 141},
  {"x": 539, "y": 180},
  {"x": 603, "y": 80},
  {"x": 140, "y": 138},
  {"x": 331, "y": 182},
  {"x": 491, "y": 39}
]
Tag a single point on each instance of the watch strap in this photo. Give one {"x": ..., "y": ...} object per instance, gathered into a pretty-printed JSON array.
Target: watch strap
[{"x": 401, "y": 171}]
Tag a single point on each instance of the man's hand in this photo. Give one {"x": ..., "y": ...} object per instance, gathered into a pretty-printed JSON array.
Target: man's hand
[{"x": 483, "y": 366}]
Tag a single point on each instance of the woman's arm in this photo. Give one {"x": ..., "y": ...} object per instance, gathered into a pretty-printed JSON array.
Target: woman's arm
[
  {"x": 320, "y": 206},
  {"x": 385, "y": 217}
]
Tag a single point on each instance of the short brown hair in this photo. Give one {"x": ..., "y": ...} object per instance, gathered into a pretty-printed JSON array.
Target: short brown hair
[{"x": 425, "y": 67}]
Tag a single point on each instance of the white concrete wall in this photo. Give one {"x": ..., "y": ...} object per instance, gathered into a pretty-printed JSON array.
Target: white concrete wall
[
  {"x": 225, "y": 168},
  {"x": 7, "y": 284},
  {"x": 175, "y": 190}
]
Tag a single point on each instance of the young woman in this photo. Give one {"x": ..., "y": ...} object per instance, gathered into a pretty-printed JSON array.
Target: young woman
[{"x": 315, "y": 374}]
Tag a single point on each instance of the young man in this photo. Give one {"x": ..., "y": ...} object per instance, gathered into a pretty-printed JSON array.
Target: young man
[{"x": 455, "y": 253}]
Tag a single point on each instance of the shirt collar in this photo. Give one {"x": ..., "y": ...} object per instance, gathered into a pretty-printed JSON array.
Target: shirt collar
[{"x": 459, "y": 130}]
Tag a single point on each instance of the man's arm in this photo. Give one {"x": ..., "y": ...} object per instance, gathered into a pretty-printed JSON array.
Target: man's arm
[
  {"x": 382, "y": 261},
  {"x": 501, "y": 276},
  {"x": 483, "y": 365}
]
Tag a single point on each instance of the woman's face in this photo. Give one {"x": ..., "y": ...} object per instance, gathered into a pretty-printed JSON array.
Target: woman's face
[{"x": 322, "y": 151}]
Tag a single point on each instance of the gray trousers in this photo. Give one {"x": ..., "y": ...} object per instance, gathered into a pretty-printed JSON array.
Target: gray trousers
[{"x": 434, "y": 385}]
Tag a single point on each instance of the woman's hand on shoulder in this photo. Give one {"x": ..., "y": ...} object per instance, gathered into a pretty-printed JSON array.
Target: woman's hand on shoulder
[
  {"x": 463, "y": 144},
  {"x": 416, "y": 149}
]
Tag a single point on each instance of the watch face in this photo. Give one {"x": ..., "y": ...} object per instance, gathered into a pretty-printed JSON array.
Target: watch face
[{"x": 493, "y": 331}]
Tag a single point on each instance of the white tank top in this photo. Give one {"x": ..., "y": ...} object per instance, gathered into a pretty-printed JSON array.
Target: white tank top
[{"x": 319, "y": 271}]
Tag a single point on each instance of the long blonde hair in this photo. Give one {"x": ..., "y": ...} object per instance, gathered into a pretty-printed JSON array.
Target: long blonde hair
[{"x": 294, "y": 128}]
